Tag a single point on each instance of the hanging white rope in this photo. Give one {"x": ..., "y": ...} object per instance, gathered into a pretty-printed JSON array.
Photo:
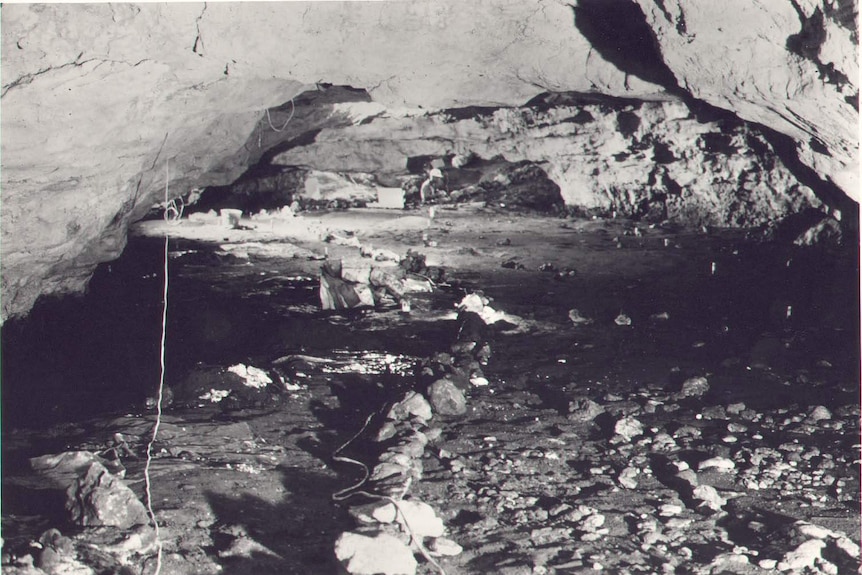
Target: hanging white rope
[
  {"x": 286, "y": 122},
  {"x": 147, "y": 481}
]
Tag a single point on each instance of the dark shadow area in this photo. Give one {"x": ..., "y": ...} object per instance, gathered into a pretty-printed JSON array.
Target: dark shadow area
[
  {"x": 829, "y": 193},
  {"x": 73, "y": 357},
  {"x": 617, "y": 29},
  {"x": 300, "y": 531}
]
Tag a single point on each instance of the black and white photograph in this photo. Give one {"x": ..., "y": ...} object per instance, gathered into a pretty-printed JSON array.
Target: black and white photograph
[{"x": 430, "y": 287}]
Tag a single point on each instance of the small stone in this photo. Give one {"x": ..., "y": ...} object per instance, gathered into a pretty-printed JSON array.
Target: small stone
[
  {"x": 387, "y": 470},
  {"x": 805, "y": 555},
  {"x": 767, "y": 564},
  {"x": 694, "y": 387},
  {"x": 709, "y": 497},
  {"x": 381, "y": 554},
  {"x": 736, "y": 408},
  {"x": 419, "y": 519},
  {"x": 689, "y": 476},
  {"x": 670, "y": 510},
  {"x": 628, "y": 477},
  {"x": 446, "y": 398},
  {"x": 248, "y": 548},
  {"x": 578, "y": 319},
  {"x": 623, "y": 319},
  {"x": 548, "y": 535},
  {"x": 413, "y": 405},
  {"x": 819, "y": 413},
  {"x": 584, "y": 410},
  {"x": 592, "y": 523},
  {"x": 719, "y": 463},
  {"x": 628, "y": 428},
  {"x": 559, "y": 509},
  {"x": 687, "y": 431},
  {"x": 712, "y": 412},
  {"x": 444, "y": 547},
  {"x": 387, "y": 431}
]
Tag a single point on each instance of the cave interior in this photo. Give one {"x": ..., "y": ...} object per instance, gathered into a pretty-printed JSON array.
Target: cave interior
[{"x": 586, "y": 329}]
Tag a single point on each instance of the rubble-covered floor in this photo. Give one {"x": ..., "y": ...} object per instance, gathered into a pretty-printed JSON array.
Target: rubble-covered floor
[{"x": 703, "y": 417}]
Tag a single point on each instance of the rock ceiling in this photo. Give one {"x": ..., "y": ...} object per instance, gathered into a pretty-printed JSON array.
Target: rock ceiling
[{"x": 108, "y": 107}]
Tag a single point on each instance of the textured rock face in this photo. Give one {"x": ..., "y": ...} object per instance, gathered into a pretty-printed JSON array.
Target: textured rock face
[
  {"x": 636, "y": 159},
  {"x": 108, "y": 107},
  {"x": 790, "y": 65}
]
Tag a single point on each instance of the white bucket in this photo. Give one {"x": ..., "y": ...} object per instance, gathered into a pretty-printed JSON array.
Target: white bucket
[
  {"x": 230, "y": 218},
  {"x": 392, "y": 198}
]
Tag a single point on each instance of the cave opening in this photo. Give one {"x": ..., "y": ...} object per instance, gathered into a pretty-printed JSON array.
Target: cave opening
[{"x": 497, "y": 338}]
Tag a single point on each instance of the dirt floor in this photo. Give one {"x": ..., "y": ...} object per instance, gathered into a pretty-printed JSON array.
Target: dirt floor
[{"x": 659, "y": 401}]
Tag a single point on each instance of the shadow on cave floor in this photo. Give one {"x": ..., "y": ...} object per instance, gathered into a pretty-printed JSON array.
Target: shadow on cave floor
[{"x": 297, "y": 532}]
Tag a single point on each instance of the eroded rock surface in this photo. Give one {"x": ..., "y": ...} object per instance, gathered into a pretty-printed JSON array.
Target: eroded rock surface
[
  {"x": 108, "y": 109},
  {"x": 792, "y": 66}
]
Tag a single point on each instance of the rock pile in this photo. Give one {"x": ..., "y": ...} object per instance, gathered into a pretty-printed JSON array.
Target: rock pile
[
  {"x": 393, "y": 526},
  {"x": 688, "y": 485}
]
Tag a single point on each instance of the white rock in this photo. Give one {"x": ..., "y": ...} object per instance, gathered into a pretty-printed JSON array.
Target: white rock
[
  {"x": 670, "y": 510},
  {"x": 694, "y": 387},
  {"x": 420, "y": 519},
  {"x": 820, "y": 413},
  {"x": 848, "y": 546},
  {"x": 623, "y": 319},
  {"x": 812, "y": 531},
  {"x": 254, "y": 377},
  {"x": 592, "y": 523},
  {"x": 479, "y": 381},
  {"x": 806, "y": 555},
  {"x": 719, "y": 463},
  {"x": 413, "y": 404},
  {"x": 387, "y": 469},
  {"x": 628, "y": 428},
  {"x": 709, "y": 497},
  {"x": 385, "y": 513},
  {"x": 99, "y": 498},
  {"x": 628, "y": 477},
  {"x": 381, "y": 554},
  {"x": 443, "y": 546},
  {"x": 578, "y": 319}
]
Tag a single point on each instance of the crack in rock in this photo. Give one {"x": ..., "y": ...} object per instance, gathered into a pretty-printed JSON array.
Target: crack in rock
[
  {"x": 27, "y": 79},
  {"x": 198, "y": 45}
]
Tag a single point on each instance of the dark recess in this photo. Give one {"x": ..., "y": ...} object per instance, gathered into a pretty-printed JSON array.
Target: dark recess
[
  {"x": 618, "y": 30},
  {"x": 829, "y": 193},
  {"x": 628, "y": 123}
]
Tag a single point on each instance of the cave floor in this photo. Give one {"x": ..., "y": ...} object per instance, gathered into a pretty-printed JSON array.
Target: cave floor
[{"x": 592, "y": 446}]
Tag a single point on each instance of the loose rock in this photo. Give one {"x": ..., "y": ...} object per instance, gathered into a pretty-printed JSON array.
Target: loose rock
[
  {"x": 446, "y": 398},
  {"x": 628, "y": 428},
  {"x": 694, "y": 387},
  {"x": 380, "y": 554},
  {"x": 99, "y": 498},
  {"x": 584, "y": 410}
]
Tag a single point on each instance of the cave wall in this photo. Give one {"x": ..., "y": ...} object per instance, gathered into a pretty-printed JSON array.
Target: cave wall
[
  {"x": 626, "y": 158},
  {"x": 790, "y": 65},
  {"x": 104, "y": 106}
]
